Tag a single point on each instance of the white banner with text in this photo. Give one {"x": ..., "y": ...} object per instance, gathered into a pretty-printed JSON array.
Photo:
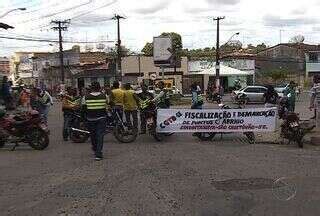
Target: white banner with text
[{"x": 216, "y": 120}]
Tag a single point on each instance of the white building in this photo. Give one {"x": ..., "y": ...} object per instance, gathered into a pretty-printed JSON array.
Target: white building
[{"x": 312, "y": 64}]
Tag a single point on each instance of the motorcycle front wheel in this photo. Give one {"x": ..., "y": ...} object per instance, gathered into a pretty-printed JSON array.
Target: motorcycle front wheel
[
  {"x": 123, "y": 135},
  {"x": 206, "y": 136},
  {"x": 79, "y": 137},
  {"x": 38, "y": 139},
  {"x": 2, "y": 143}
]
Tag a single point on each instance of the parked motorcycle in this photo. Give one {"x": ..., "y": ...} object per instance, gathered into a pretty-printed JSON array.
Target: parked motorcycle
[
  {"x": 26, "y": 127},
  {"x": 151, "y": 120},
  {"x": 209, "y": 136},
  {"x": 291, "y": 127},
  {"x": 80, "y": 134},
  {"x": 213, "y": 97}
]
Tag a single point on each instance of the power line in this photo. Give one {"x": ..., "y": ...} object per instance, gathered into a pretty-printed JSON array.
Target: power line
[{"x": 52, "y": 41}]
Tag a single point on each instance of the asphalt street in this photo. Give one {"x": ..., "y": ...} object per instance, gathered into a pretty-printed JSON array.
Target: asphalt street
[{"x": 180, "y": 176}]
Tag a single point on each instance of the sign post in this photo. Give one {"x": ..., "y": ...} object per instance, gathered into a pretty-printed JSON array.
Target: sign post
[{"x": 162, "y": 55}]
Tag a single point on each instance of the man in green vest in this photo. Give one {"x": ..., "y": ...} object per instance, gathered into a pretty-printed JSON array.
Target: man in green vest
[
  {"x": 290, "y": 93},
  {"x": 95, "y": 111}
]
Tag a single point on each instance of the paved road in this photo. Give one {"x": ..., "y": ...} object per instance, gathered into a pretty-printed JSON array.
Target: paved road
[{"x": 181, "y": 176}]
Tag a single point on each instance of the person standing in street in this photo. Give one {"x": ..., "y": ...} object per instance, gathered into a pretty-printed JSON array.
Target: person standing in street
[
  {"x": 6, "y": 93},
  {"x": 145, "y": 98},
  {"x": 117, "y": 99},
  {"x": 290, "y": 93},
  {"x": 131, "y": 102},
  {"x": 45, "y": 101},
  {"x": 68, "y": 107},
  {"x": 162, "y": 99},
  {"x": 270, "y": 97},
  {"x": 197, "y": 100},
  {"x": 315, "y": 95},
  {"x": 95, "y": 105}
]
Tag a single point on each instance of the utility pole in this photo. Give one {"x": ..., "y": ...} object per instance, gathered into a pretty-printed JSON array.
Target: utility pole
[
  {"x": 218, "y": 52},
  {"x": 61, "y": 26},
  {"x": 119, "y": 51}
]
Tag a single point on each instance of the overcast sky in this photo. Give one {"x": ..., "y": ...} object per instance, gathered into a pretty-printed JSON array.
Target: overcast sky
[{"x": 257, "y": 21}]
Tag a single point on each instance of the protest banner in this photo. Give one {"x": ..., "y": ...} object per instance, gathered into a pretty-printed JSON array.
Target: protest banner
[{"x": 216, "y": 120}]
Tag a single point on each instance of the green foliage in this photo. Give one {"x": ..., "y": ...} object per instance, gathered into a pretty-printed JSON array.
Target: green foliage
[
  {"x": 278, "y": 75},
  {"x": 256, "y": 49},
  {"x": 148, "y": 49}
]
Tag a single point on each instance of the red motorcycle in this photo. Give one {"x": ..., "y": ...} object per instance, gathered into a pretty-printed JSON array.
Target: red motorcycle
[{"x": 26, "y": 127}]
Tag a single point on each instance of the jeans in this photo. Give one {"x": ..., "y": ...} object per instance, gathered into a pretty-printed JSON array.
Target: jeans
[
  {"x": 134, "y": 114},
  {"x": 44, "y": 111},
  {"x": 97, "y": 131},
  {"x": 143, "y": 121},
  {"x": 67, "y": 119}
]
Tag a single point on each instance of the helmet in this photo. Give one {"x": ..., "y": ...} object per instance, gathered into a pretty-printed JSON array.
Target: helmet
[{"x": 2, "y": 113}]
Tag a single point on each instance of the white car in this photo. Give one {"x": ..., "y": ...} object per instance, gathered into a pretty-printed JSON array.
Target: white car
[
  {"x": 255, "y": 94},
  {"x": 280, "y": 89}
]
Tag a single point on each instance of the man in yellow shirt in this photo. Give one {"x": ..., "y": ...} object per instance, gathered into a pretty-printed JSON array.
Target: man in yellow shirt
[
  {"x": 131, "y": 102},
  {"x": 117, "y": 98}
]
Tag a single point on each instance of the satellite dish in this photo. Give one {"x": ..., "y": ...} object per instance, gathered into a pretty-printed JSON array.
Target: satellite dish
[
  {"x": 89, "y": 47},
  {"x": 100, "y": 46}
]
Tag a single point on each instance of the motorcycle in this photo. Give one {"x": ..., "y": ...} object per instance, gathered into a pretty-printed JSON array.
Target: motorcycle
[
  {"x": 80, "y": 134},
  {"x": 291, "y": 127},
  {"x": 27, "y": 128},
  {"x": 209, "y": 136},
  {"x": 213, "y": 97},
  {"x": 151, "y": 121},
  {"x": 241, "y": 99}
]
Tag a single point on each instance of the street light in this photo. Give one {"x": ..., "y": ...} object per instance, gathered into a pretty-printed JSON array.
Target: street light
[
  {"x": 231, "y": 37},
  {"x": 6, "y": 13},
  {"x": 218, "y": 84}
]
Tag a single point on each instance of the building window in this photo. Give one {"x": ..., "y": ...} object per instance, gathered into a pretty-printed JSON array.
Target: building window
[{"x": 313, "y": 57}]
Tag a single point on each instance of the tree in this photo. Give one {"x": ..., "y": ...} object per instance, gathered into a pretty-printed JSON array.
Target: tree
[
  {"x": 148, "y": 49},
  {"x": 278, "y": 75},
  {"x": 261, "y": 47},
  {"x": 297, "y": 39},
  {"x": 231, "y": 46}
]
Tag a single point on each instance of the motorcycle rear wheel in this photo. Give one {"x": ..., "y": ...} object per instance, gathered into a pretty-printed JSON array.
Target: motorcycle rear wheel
[
  {"x": 251, "y": 137},
  {"x": 38, "y": 139}
]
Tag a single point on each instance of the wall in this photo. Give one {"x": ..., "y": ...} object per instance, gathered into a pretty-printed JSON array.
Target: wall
[{"x": 130, "y": 70}]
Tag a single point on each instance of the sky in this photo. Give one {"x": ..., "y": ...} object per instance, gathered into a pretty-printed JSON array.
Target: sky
[{"x": 258, "y": 21}]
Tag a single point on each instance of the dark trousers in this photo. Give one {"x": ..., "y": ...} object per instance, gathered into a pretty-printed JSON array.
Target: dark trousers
[
  {"x": 143, "y": 121},
  {"x": 134, "y": 115},
  {"x": 67, "y": 119},
  {"x": 97, "y": 131}
]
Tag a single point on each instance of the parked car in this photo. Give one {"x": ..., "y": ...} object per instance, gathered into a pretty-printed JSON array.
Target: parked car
[
  {"x": 254, "y": 94},
  {"x": 280, "y": 89}
]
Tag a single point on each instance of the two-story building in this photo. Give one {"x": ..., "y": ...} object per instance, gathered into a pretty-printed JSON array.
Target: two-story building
[
  {"x": 312, "y": 64},
  {"x": 287, "y": 57}
]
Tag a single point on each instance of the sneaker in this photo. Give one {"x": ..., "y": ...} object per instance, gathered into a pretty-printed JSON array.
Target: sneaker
[{"x": 98, "y": 158}]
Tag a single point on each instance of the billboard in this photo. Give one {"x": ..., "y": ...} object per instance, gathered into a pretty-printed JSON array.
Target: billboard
[{"x": 162, "y": 55}]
